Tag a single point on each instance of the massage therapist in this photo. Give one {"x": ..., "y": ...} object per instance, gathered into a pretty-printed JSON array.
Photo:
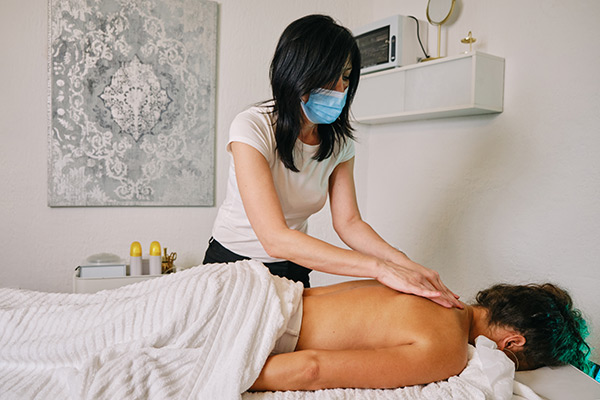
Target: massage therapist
[{"x": 289, "y": 153}]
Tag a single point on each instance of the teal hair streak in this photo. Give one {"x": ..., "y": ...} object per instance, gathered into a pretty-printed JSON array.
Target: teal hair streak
[
  {"x": 571, "y": 347},
  {"x": 594, "y": 371}
]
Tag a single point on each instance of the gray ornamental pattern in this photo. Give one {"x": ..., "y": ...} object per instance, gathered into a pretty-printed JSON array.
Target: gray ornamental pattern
[{"x": 132, "y": 102}]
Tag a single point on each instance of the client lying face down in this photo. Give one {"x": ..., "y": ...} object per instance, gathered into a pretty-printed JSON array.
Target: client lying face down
[{"x": 364, "y": 335}]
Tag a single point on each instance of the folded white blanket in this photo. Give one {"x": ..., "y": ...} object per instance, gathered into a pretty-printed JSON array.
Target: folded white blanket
[{"x": 158, "y": 339}]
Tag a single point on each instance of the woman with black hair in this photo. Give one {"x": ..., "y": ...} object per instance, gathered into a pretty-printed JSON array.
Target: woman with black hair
[{"x": 289, "y": 154}]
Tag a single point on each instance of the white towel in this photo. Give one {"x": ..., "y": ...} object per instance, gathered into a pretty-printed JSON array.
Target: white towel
[{"x": 157, "y": 339}]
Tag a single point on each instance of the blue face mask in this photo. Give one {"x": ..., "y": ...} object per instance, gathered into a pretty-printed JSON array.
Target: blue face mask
[{"x": 324, "y": 106}]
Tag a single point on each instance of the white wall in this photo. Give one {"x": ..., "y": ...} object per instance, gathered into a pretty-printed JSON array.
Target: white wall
[
  {"x": 41, "y": 245},
  {"x": 511, "y": 197}
]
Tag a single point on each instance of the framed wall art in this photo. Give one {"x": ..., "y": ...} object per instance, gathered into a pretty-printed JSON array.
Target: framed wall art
[{"x": 131, "y": 102}]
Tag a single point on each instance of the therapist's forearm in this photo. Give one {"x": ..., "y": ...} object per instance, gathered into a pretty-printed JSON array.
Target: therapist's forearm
[
  {"x": 402, "y": 274},
  {"x": 360, "y": 236},
  {"x": 318, "y": 255}
]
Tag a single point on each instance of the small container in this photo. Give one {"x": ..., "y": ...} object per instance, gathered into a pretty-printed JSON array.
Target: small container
[
  {"x": 155, "y": 260},
  {"x": 135, "y": 263}
]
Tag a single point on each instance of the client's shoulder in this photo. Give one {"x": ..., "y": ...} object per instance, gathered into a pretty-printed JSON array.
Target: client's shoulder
[{"x": 437, "y": 321}]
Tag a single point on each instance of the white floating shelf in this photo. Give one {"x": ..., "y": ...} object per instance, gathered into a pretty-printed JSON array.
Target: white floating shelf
[{"x": 468, "y": 84}]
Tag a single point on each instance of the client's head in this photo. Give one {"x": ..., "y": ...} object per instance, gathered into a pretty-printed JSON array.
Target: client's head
[{"x": 552, "y": 329}]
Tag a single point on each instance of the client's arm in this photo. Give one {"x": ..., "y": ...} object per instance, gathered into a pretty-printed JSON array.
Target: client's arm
[{"x": 393, "y": 367}]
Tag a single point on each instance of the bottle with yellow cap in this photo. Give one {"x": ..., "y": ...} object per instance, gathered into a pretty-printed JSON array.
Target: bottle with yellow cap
[
  {"x": 135, "y": 263},
  {"x": 155, "y": 259}
]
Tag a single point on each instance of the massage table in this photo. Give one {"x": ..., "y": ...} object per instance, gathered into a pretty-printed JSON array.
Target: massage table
[
  {"x": 560, "y": 383},
  {"x": 164, "y": 338}
]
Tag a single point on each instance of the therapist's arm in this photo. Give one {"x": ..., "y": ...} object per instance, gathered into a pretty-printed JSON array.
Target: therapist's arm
[
  {"x": 360, "y": 236},
  {"x": 263, "y": 208}
]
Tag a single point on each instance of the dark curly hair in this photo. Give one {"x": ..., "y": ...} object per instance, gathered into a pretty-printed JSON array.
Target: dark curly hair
[
  {"x": 554, "y": 330},
  {"x": 311, "y": 54}
]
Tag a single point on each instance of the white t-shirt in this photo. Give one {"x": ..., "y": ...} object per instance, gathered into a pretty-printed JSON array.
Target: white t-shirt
[{"x": 301, "y": 193}]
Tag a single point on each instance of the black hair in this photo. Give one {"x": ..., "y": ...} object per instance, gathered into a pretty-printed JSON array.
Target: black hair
[
  {"x": 311, "y": 54},
  {"x": 554, "y": 330}
]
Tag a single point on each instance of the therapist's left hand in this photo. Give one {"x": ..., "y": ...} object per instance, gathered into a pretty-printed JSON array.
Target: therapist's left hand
[
  {"x": 411, "y": 277},
  {"x": 446, "y": 295}
]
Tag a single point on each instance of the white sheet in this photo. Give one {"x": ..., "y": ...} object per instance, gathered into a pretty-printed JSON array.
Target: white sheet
[
  {"x": 559, "y": 383},
  {"x": 163, "y": 338},
  {"x": 157, "y": 339}
]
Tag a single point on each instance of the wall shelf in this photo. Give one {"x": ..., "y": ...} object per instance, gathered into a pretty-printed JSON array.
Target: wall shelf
[{"x": 468, "y": 84}]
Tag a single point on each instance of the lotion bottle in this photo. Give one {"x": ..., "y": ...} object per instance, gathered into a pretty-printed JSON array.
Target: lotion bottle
[
  {"x": 155, "y": 259},
  {"x": 135, "y": 263}
]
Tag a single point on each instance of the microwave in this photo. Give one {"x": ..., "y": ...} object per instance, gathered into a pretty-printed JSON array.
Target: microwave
[{"x": 391, "y": 42}]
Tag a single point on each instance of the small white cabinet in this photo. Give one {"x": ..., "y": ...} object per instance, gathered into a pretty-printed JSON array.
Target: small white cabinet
[
  {"x": 467, "y": 84},
  {"x": 93, "y": 285}
]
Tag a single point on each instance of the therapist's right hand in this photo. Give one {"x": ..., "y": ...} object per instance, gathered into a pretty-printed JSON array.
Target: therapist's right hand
[{"x": 418, "y": 280}]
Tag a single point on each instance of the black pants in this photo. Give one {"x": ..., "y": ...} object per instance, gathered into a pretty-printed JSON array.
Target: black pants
[{"x": 216, "y": 253}]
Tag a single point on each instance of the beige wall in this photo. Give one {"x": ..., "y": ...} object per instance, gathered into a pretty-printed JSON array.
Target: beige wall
[{"x": 511, "y": 197}]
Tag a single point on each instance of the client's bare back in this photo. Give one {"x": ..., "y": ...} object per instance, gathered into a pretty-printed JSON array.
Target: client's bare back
[
  {"x": 367, "y": 315},
  {"x": 362, "y": 334}
]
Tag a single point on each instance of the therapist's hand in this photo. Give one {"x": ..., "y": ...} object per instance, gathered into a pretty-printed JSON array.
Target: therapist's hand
[{"x": 416, "y": 279}]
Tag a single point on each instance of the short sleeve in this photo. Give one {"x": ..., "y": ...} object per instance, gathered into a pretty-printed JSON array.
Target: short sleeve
[
  {"x": 347, "y": 151},
  {"x": 254, "y": 128}
]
